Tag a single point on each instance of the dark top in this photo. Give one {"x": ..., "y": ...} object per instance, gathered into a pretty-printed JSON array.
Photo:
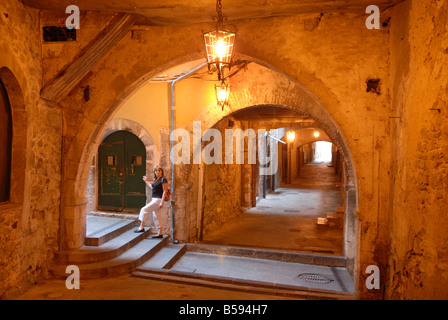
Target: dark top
[{"x": 157, "y": 187}]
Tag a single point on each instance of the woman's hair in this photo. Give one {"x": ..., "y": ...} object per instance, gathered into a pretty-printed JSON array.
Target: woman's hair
[{"x": 157, "y": 168}]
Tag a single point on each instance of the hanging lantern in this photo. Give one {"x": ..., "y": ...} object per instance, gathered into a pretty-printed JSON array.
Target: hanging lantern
[
  {"x": 219, "y": 44},
  {"x": 222, "y": 94}
]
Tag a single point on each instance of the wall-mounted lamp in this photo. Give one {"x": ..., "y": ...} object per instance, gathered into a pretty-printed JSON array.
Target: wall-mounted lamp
[
  {"x": 222, "y": 94},
  {"x": 290, "y": 136},
  {"x": 219, "y": 44},
  {"x": 316, "y": 134}
]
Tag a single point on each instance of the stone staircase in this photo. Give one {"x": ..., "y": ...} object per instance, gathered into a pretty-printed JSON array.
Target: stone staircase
[
  {"x": 333, "y": 219},
  {"x": 112, "y": 248}
]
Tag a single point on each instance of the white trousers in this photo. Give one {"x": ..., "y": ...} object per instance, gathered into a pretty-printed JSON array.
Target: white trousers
[{"x": 154, "y": 207}]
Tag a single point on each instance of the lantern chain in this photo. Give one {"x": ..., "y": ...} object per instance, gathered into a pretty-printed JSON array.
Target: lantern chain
[
  {"x": 220, "y": 17},
  {"x": 219, "y": 8}
]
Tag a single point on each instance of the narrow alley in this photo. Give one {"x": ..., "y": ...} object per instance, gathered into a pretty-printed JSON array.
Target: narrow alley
[{"x": 287, "y": 218}]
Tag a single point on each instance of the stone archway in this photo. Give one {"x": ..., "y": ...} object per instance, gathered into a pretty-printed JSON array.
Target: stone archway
[
  {"x": 270, "y": 87},
  {"x": 261, "y": 85},
  {"x": 273, "y": 87},
  {"x": 152, "y": 155}
]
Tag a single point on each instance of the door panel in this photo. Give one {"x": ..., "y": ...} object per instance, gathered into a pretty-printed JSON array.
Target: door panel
[
  {"x": 110, "y": 168},
  {"x": 135, "y": 167},
  {"x": 121, "y": 165}
]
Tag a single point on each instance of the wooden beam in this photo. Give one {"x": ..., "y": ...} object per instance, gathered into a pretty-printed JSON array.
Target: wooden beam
[{"x": 66, "y": 80}]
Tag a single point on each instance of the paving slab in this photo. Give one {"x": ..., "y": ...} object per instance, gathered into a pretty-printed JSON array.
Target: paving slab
[{"x": 281, "y": 274}]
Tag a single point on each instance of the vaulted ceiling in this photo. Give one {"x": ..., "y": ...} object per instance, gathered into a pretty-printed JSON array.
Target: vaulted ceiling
[{"x": 178, "y": 12}]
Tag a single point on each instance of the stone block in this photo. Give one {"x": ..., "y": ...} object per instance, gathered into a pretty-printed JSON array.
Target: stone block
[
  {"x": 322, "y": 223},
  {"x": 334, "y": 220}
]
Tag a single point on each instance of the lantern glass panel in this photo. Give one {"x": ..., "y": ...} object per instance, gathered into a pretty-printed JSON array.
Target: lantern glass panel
[
  {"x": 219, "y": 46},
  {"x": 222, "y": 94}
]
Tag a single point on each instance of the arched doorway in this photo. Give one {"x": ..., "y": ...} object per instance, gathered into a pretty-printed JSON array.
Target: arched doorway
[
  {"x": 5, "y": 144},
  {"x": 121, "y": 165},
  {"x": 267, "y": 88},
  {"x": 247, "y": 206},
  {"x": 16, "y": 138}
]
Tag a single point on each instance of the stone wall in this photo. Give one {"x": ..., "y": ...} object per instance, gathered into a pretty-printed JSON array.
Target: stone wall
[
  {"x": 207, "y": 196},
  {"x": 222, "y": 199},
  {"x": 418, "y": 260},
  {"x": 29, "y": 222}
]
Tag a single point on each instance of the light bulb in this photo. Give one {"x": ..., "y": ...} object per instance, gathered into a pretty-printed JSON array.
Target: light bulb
[
  {"x": 222, "y": 94},
  {"x": 291, "y": 135},
  {"x": 220, "y": 49}
]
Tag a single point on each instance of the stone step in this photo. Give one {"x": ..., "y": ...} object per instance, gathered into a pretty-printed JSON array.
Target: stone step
[
  {"x": 238, "y": 269},
  {"x": 106, "y": 251},
  {"x": 332, "y": 215},
  {"x": 165, "y": 258},
  {"x": 322, "y": 222},
  {"x": 293, "y": 257},
  {"x": 122, "y": 264},
  {"x": 100, "y": 229},
  {"x": 333, "y": 219},
  {"x": 242, "y": 285}
]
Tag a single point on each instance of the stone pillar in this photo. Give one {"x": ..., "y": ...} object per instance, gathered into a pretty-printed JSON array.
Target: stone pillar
[{"x": 351, "y": 230}]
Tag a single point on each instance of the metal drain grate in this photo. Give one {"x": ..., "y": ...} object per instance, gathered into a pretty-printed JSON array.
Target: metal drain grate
[{"x": 314, "y": 278}]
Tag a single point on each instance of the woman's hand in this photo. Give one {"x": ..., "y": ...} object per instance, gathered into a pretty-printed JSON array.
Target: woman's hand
[
  {"x": 147, "y": 182},
  {"x": 165, "y": 188},
  {"x": 162, "y": 202}
]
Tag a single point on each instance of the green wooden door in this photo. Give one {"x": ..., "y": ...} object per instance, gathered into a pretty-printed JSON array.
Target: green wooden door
[
  {"x": 121, "y": 165},
  {"x": 135, "y": 169}
]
